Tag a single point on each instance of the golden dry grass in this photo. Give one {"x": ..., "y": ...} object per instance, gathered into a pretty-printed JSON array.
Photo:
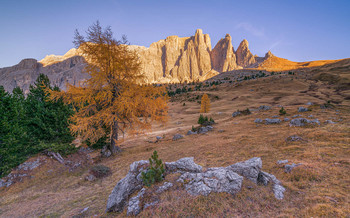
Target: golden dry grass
[{"x": 318, "y": 188}]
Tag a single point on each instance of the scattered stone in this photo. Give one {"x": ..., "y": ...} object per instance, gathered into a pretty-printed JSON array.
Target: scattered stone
[
  {"x": 303, "y": 122},
  {"x": 150, "y": 204},
  {"x": 205, "y": 129},
  {"x": 134, "y": 206},
  {"x": 29, "y": 165},
  {"x": 159, "y": 138},
  {"x": 278, "y": 191},
  {"x": 302, "y": 109},
  {"x": 272, "y": 121},
  {"x": 185, "y": 164},
  {"x": 258, "y": 120},
  {"x": 288, "y": 168},
  {"x": 221, "y": 130},
  {"x": 275, "y": 116},
  {"x": 310, "y": 116},
  {"x": 217, "y": 179},
  {"x": 190, "y": 132},
  {"x": 294, "y": 138},
  {"x": 177, "y": 136},
  {"x": 105, "y": 152},
  {"x": 84, "y": 210},
  {"x": 282, "y": 161},
  {"x": 164, "y": 187},
  {"x": 90, "y": 178},
  {"x": 329, "y": 122},
  {"x": 235, "y": 114},
  {"x": 309, "y": 103},
  {"x": 286, "y": 119},
  {"x": 249, "y": 168},
  {"x": 264, "y": 108},
  {"x": 297, "y": 115}
]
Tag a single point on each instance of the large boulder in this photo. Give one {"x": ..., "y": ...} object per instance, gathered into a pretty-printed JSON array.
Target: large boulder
[
  {"x": 185, "y": 164},
  {"x": 125, "y": 187},
  {"x": 249, "y": 168},
  {"x": 218, "y": 179},
  {"x": 134, "y": 206}
]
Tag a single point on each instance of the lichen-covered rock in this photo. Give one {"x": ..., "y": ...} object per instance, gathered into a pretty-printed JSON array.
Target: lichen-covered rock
[
  {"x": 288, "y": 168},
  {"x": 185, "y": 164},
  {"x": 218, "y": 179},
  {"x": 258, "y": 120},
  {"x": 303, "y": 122},
  {"x": 134, "y": 206},
  {"x": 125, "y": 187},
  {"x": 302, "y": 109},
  {"x": 190, "y": 132},
  {"x": 164, "y": 187},
  {"x": 294, "y": 138},
  {"x": 235, "y": 114},
  {"x": 177, "y": 137},
  {"x": 249, "y": 168},
  {"x": 272, "y": 121},
  {"x": 282, "y": 161},
  {"x": 264, "y": 108}
]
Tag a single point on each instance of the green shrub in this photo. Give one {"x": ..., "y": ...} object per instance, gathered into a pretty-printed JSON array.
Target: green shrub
[
  {"x": 283, "y": 111},
  {"x": 205, "y": 121},
  {"x": 155, "y": 172}
]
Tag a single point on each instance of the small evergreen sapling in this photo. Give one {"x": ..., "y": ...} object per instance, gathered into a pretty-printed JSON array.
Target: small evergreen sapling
[
  {"x": 155, "y": 172},
  {"x": 283, "y": 111}
]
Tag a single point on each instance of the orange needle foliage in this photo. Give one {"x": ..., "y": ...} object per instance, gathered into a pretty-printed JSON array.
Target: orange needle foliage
[
  {"x": 205, "y": 104},
  {"x": 113, "y": 100}
]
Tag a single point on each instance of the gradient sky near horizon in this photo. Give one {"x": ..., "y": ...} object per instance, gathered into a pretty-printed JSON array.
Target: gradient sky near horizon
[{"x": 299, "y": 30}]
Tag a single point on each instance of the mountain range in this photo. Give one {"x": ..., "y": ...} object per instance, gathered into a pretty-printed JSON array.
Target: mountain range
[{"x": 171, "y": 60}]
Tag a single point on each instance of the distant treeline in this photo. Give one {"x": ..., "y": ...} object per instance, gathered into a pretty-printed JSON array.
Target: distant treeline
[{"x": 31, "y": 124}]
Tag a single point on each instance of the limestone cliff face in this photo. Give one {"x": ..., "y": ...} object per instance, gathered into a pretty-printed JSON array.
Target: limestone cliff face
[
  {"x": 223, "y": 56},
  {"x": 26, "y": 72},
  {"x": 244, "y": 57},
  {"x": 174, "y": 59}
]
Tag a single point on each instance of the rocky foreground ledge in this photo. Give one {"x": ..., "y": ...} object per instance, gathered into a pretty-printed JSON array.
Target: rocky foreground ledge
[{"x": 193, "y": 179}]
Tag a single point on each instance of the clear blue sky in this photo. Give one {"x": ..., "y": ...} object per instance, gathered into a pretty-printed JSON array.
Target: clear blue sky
[{"x": 297, "y": 30}]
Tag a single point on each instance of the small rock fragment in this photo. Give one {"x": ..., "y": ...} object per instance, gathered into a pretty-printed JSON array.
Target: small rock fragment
[{"x": 177, "y": 136}]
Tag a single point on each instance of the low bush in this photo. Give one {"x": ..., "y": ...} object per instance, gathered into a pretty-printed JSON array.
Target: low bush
[{"x": 100, "y": 171}]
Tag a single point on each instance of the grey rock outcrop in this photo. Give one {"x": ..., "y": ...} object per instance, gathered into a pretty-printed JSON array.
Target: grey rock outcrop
[
  {"x": 164, "y": 187},
  {"x": 213, "y": 180},
  {"x": 177, "y": 137},
  {"x": 258, "y": 120},
  {"x": 125, "y": 187},
  {"x": 282, "y": 161},
  {"x": 249, "y": 168},
  {"x": 194, "y": 180},
  {"x": 134, "y": 206},
  {"x": 236, "y": 113},
  {"x": 190, "y": 132},
  {"x": 303, "y": 122},
  {"x": 264, "y": 108},
  {"x": 289, "y": 167},
  {"x": 302, "y": 109},
  {"x": 294, "y": 138},
  {"x": 185, "y": 164},
  {"x": 272, "y": 121}
]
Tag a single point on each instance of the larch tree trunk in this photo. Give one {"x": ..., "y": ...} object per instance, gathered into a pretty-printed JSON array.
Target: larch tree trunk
[{"x": 113, "y": 147}]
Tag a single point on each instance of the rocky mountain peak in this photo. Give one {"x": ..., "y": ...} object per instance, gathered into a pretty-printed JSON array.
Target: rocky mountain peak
[
  {"x": 268, "y": 54},
  {"x": 244, "y": 57},
  {"x": 223, "y": 56}
]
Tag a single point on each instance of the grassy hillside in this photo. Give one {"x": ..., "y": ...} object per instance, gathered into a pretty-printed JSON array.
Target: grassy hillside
[{"x": 319, "y": 187}]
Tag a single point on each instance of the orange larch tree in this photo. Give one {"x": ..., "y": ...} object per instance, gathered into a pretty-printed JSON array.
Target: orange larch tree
[
  {"x": 114, "y": 99},
  {"x": 205, "y": 104}
]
